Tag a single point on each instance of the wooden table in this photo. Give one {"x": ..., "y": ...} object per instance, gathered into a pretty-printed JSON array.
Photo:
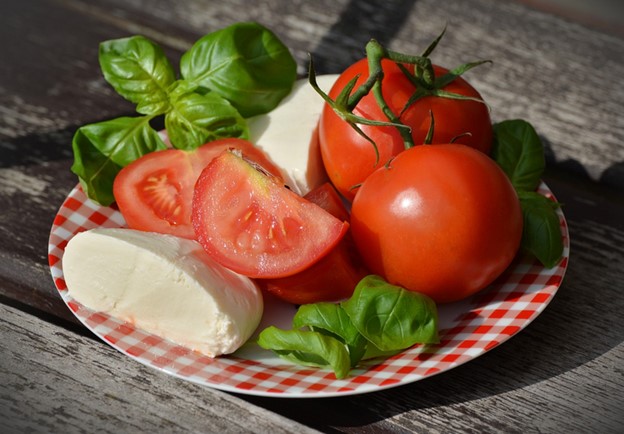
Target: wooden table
[{"x": 563, "y": 373}]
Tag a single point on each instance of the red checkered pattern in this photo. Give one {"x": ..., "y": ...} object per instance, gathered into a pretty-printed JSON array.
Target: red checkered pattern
[{"x": 468, "y": 328}]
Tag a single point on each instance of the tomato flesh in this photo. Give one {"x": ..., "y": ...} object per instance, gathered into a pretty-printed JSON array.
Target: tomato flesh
[
  {"x": 349, "y": 158},
  {"x": 332, "y": 278},
  {"x": 154, "y": 193},
  {"x": 252, "y": 224},
  {"x": 442, "y": 220}
]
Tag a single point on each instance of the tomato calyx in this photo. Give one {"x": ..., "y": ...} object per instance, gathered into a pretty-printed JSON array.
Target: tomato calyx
[
  {"x": 345, "y": 102},
  {"x": 423, "y": 78},
  {"x": 426, "y": 82}
]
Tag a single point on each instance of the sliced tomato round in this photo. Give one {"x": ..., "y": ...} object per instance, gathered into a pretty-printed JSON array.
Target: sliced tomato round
[
  {"x": 154, "y": 193},
  {"x": 249, "y": 222},
  {"x": 334, "y": 277}
]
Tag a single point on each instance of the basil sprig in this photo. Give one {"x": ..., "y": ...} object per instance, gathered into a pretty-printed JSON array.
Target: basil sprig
[
  {"x": 519, "y": 151},
  {"x": 379, "y": 319},
  {"x": 226, "y": 76}
]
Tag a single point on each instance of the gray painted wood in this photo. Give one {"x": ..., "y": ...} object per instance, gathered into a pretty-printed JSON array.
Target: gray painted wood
[
  {"x": 56, "y": 381},
  {"x": 562, "y": 374}
]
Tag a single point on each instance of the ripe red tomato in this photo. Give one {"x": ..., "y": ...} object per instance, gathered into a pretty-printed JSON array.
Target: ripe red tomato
[
  {"x": 349, "y": 158},
  {"x": 442, "y": 220},
  {"x": 335, "y": 276},
  {"x": 154, "y": 193},
  {"x": 252, "y": 224}
]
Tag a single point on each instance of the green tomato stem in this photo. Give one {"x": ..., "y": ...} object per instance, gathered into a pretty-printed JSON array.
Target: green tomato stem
[{"x": 375, "y": 54}]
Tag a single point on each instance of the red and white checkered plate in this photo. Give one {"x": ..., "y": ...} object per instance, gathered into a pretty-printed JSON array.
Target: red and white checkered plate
[{"x": 468, "y": 328}]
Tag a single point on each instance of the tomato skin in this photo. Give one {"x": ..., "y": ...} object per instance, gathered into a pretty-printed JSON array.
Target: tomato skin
[
  {"x": 349, "y": 158},
  {"x": 442, "y": 220},
  {"x": 335, "y": 276},
  {"x": 251, "y": 223},
  {"x": 154, "y": 193}
]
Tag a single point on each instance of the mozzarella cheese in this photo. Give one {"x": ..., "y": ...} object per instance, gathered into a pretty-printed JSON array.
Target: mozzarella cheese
[
  {"x": 164, "y": 285},
  {"x": 288, "y": 134}
]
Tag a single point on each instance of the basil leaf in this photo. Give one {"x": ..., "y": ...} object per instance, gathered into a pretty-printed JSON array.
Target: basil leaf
[
  {"x": 541, "y": 234},
  {"x": 102, "y": 149},
  {"x": 391, "y": 317},
  {"x": 330, "y": 318},
  {"x": 307, "y": 348},
  {"x": 139, "y": 71},
  {"x": 197, "y": 119},
  {"x": 372, "y": 352},
  {"x": 518, "y": 150},
  {"x": 245, "y": 63},
  {"x": 180, "y": 88}
]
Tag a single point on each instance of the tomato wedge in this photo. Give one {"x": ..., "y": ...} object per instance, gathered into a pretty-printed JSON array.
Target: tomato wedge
[
  {"x": 333, "y": 277},
  {"x": 154, "y": 193},
  {"x": 249, "y": 222}
]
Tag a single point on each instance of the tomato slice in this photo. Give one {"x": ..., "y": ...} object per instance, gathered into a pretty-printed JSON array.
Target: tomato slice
[
  {"x": 332, "y": 278},
  {"x": 252, "y": 224},
  {"x": 154, "y": 193}
]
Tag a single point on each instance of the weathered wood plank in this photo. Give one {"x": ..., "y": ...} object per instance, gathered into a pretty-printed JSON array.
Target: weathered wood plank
[
  {"x": 562, "y": 374},
  {"x": 56, "y": 381},
  {"x": 559, "y": 75},
  {"x": 40, "y": 111}
]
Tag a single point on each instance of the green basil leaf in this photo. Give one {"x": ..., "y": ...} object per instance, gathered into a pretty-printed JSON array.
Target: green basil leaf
[
  {"x": 541, "y": 235},
  {"x": 372, "y": 352},
  {"x": 102, "y": 149},
  {"x": 330, "y": 318},
  {"x": 391, "y": 317},
  {"x": 180, "y": 88},
  {"x": 197, "y": 119},
  {"x": 307, "y": 348},
  {"x": 519, "y": 151},
  {"x": 245, "y": 63},
  {"x": 139, "y": 71}
]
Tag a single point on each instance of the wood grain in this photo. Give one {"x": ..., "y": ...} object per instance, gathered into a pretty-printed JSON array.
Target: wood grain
[
  {"x": 53, "y": 378},
  {"x": 562, "y": 374},
  {"x": 541, "y": 56}
]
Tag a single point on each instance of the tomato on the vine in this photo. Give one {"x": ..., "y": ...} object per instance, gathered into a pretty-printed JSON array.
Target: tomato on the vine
[
  {"x": 332, "y": 278},
  {"x": 443, "y": 220},
  {"x": 154, "y": 192},
  {"x": 349, "y": 158},
  {"x": 251, "y": 223}
]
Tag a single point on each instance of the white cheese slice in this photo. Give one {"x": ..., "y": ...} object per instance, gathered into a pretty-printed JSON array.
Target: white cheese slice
[
  {"x": 164, "y": 285},
  {"x": 288, "y": 134}
]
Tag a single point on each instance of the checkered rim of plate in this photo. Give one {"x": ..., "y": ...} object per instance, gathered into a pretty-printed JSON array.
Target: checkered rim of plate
[{"x": 468, "y": 328}]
